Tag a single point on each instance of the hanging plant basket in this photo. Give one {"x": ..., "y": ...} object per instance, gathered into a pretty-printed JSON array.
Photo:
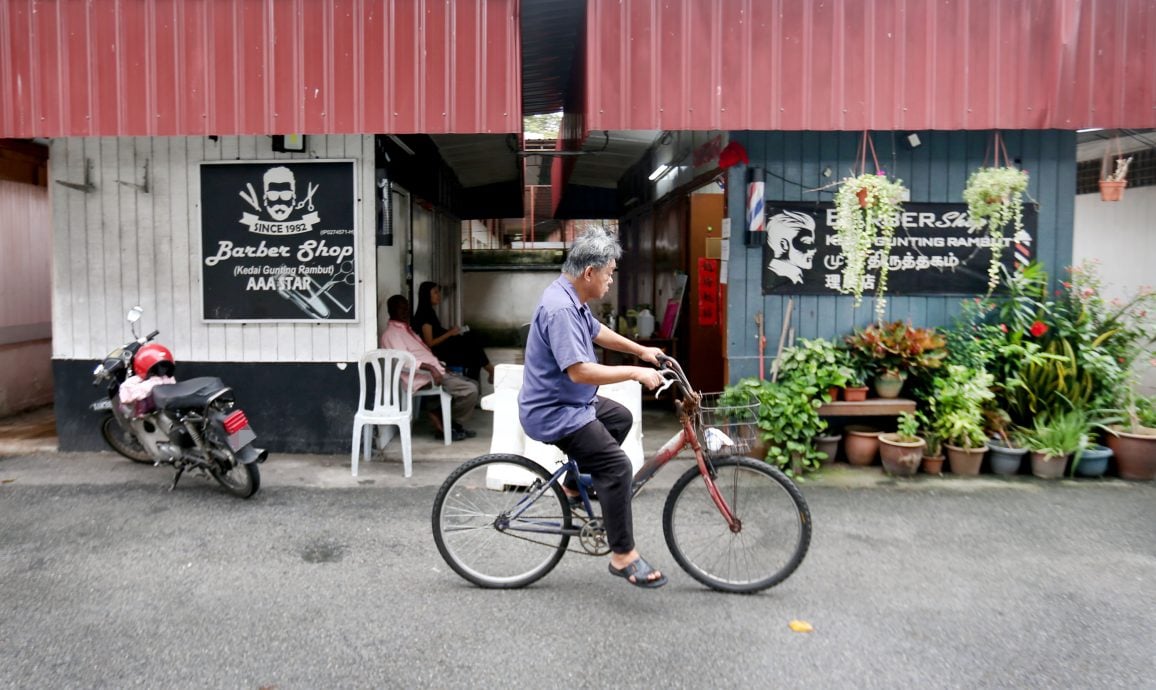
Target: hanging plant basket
[
  {"x": 1112, "y": 186},
  {"x": 867, "y": 211},
  {"x": 994, "y": 199},
  {"x": 1112, "y": 190}
]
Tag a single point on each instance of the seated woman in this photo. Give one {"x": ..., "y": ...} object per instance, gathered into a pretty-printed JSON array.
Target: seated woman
[{"x": 453, "y": 347}]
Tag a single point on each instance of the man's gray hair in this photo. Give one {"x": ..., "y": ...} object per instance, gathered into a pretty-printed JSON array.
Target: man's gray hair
[{"x": 595, "y": 247}]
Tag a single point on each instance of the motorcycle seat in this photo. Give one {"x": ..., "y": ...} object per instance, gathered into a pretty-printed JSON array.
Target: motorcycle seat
[{"x": 187, "y": 394}]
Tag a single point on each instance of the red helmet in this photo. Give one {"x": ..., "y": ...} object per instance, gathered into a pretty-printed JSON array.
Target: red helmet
[{"x": 153, "y": 360}]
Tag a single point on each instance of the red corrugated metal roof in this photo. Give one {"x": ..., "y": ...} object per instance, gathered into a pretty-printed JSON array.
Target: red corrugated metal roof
[
  {"x": 870, "y": 64},
  {"x": 176, "y": 67}
]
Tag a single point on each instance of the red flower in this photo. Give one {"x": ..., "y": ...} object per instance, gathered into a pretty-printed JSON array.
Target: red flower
[
  {"x": 1038, "y": 328},
  {"x": 1003, "y": 327}
]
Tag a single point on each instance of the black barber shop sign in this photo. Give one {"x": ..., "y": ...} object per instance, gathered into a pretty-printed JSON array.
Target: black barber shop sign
[
  {"x": 933, "y": 251},
  {"x": 277, "y": 241}
]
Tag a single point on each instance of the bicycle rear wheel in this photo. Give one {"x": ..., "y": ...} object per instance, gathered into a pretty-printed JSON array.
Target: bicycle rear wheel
[
  {"x": 491, "y": 531},
  {"x": 773, "y": 538}
]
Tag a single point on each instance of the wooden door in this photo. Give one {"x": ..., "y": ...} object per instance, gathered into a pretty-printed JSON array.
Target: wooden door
[{"x": 704, "y": 344}]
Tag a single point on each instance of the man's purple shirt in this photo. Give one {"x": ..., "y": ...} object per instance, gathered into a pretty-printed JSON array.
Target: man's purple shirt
[{"x": 562, "y": 334}]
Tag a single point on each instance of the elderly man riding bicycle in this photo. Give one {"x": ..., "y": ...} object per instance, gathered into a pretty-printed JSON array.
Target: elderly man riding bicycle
[{"x": 557, "y": 402}]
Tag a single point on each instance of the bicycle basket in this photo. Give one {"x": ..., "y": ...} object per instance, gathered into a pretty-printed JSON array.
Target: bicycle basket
[{"x": 728, "y": 429}]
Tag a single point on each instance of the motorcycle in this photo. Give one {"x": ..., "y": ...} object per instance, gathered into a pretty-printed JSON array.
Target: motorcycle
[{"x": 193, "y": 425}]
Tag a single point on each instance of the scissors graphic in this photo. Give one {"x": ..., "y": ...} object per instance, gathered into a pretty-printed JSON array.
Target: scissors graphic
[{"x": 311, "y": 301}]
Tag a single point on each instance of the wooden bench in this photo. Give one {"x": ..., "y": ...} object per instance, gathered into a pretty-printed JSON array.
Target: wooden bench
[{"x": 872, "y": 407}]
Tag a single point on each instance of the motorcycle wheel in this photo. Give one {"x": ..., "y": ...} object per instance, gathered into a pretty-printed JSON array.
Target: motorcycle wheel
[
  {"x": 123, "y": 442},
  {"x": 241, "y": 480}
]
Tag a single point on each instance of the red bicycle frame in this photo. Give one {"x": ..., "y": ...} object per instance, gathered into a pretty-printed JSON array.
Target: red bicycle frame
[{"x": 687, "y": 436}]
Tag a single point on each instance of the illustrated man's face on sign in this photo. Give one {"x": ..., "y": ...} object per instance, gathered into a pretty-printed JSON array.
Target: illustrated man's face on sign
[
  {"x": 791, "y": 237},
  {"x": 280, "y": 192}
]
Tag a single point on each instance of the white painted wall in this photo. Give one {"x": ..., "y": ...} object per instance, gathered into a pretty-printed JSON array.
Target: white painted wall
[
  {"x": 117, "y": 246},
  {"x": 1122, "y": 235},
  {"x": 502, "y": 299}
]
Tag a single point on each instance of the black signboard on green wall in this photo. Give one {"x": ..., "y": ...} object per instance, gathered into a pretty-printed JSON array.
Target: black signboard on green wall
[{"x": 933, "y": 251}]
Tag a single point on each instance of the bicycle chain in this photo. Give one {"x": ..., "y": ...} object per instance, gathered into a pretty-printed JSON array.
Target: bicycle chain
[{"x": 591, "y": 529}]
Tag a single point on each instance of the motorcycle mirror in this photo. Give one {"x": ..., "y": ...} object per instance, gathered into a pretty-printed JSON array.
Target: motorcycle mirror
[{"x": 133, "y": 316}]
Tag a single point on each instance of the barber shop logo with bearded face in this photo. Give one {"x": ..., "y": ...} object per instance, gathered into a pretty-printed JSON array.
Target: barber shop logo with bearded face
[{"x": 278, "y": 203}]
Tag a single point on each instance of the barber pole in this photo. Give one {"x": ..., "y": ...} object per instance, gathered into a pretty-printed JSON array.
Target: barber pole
[
  {"x": 756, "y": 215},
  {"x": 1023, "y": 255}
]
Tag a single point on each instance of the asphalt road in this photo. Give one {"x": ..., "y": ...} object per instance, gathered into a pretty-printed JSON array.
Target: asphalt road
[{"x": 928, "y": 583}]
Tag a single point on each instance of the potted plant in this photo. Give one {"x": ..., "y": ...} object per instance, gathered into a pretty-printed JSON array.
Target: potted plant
[
  {"x": 1112, "y": 184},
  {"x": 788, "y": 419},
  {"x": 861, "y": 444},
  {"x": 1093, "y": 461},
  {"x": 892, "y": 350},
  {"x": 820, "y": 362},
  {"x": 856, "y": 388},
  {"x": 1054, "y": 437},
  {"x": 932, "y": 461},
  {"x": 994, "y": 199},
  {"x": 1005, "y": 442},
  {"x": 828, "y": 446},
  {"x": 902, "y": 451},
  {"x": 1133, "y": 442},
  {"x": 868, "y": 208},
  {"x": 957, "y": 406}
]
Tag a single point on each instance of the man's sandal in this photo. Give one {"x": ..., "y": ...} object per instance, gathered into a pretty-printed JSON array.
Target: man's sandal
[{"x": 641, "y": 571}]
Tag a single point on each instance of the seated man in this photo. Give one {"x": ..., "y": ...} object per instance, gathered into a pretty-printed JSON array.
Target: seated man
[{"x": 399, "y": 336}]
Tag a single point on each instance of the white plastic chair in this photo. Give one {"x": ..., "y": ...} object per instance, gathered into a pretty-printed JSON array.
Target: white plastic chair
[
  {"x": 447, "y": 423},
  {"x": 390, "y": 403}
]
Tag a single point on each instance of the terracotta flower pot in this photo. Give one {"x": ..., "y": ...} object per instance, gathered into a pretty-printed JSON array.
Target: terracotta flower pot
[
  {"x": 933, "y": 464},
  {"x": 1047, "y": 466},
  {"x": 861, "y": 444},
  {"x": 1112, "y": 190},
  {"x": 862, "y": 194},
  {"x": 833, "y": 393},
  {"x": 855, "y": 393},
  {"x": 1135, "y": 453},
  {"x": 900, "y": 458},
  {"x": 965, "y": 460}
]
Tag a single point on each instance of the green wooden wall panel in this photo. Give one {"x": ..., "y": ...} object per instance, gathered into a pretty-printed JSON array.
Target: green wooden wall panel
[{"x": 935, "y": 171}]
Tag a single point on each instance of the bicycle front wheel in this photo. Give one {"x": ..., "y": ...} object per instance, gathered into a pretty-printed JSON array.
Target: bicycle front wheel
[
  {"x": 772, "y": 538},
  {"x": 495, "y": 527}
]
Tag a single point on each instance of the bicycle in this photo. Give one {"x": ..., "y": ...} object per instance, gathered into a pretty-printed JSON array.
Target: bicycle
[{"x": 503, "y": 521}]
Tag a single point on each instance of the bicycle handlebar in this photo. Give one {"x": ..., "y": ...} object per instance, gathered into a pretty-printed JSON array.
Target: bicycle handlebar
[{"x": 669, "y": 364}]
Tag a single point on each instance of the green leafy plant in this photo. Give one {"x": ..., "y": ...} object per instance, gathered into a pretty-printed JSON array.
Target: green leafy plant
[
  {"x": 958, "y": 403},
  {"x": 934, "y": 446},
  {"x": 1059, "y": 433},
  {"x": 908, "y": 428},
  {"x": 819, "y": 361},
  {"x": 788, "y": 419},
  {"x": 1144, "y": 411},
  {"x": 926, "y": 418},
  {"x": 994, "y": 199},
  {"x": 1050, "y": 354},
  {"x": 868, "y": 208}
]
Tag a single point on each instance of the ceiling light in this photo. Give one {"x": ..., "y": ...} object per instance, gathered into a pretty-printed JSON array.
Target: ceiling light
[
  {"x": 1090, "y": 129},
  {"x": 400, "y": 144},
  {"x": 659, "y": 171}
]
